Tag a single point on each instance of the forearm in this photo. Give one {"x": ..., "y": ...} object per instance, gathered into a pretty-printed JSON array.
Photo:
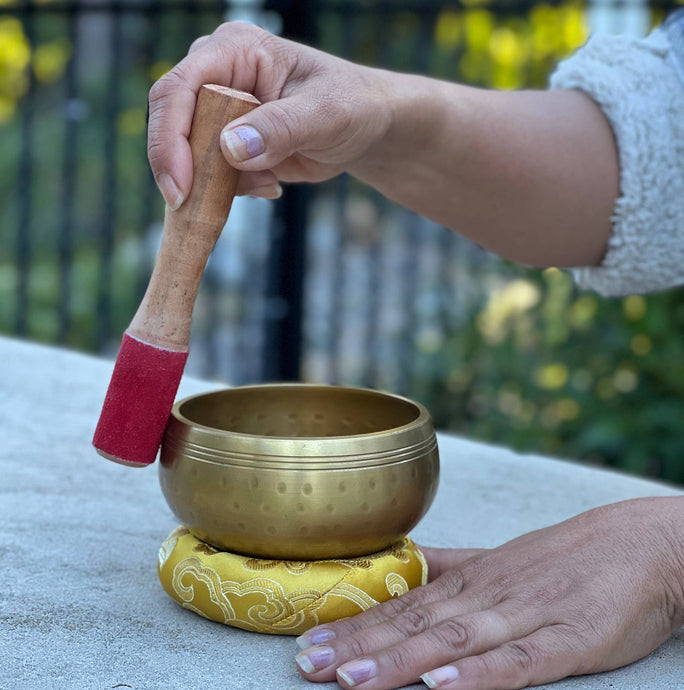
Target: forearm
[{"x": 531, "y": 175}]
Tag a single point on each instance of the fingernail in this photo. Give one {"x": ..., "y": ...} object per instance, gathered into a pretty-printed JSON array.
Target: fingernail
[
  {"x": 276, "y": 192},
  {"x": 172, "y": 195},
  {"x": 243, "y": 142},
  {"x": 315, "y": 659},
  {"x": 313, "y": 637},
  {"x": 273, "y": 192},
  {"x": 357, "y": 672},
  {"x": 440, "y": 676}
]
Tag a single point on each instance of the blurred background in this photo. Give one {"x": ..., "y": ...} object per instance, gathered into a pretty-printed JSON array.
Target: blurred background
[{"x": 332, "y": 283}]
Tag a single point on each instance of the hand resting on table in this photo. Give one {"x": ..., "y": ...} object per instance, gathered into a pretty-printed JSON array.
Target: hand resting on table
[{"x": 590, "y": 594}]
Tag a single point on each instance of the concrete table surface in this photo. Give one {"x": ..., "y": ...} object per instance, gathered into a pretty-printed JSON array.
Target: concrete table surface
[{"x": 80, "y": 603}]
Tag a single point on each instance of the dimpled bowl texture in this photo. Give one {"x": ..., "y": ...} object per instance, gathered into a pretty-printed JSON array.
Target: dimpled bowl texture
[{"x": 299, "y": 472}]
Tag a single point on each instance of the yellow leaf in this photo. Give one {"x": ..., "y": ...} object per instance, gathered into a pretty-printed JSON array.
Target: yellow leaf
[
  {"x": 159, "y": 69},
  {"x": 473, "y": 66},
  {"x": 478, "y": 25},
  {"x": 7, "y": 108},
  {"x": 634, "y": 307},
  {"x": 574, "y": 27},
  {"x": 641, "y": 344},
  {"x": 583, "y": 311},
  {"x": 567, "y": 409},
  {"x": 505, "y": 305},
  {"x": 49, "y": 60},
  {"x": 448, "y": 30},
  {"x": 507, "y": 77},
  {"x": 15, "y": 51},
  {"x": 552, "y": 376},
  {"x": 131, "y": 122},
  {"x": 506, "y": 47}
]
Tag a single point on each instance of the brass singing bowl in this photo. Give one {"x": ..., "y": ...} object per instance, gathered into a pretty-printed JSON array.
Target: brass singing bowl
[{"x": 297, "y": 471}]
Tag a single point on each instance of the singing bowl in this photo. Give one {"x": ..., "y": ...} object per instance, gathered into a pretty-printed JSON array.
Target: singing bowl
[{"x": 299, "y": 472}]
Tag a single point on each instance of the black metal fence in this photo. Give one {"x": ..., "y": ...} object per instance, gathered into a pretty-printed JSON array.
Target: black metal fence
[{"x": 332, "y": 282}]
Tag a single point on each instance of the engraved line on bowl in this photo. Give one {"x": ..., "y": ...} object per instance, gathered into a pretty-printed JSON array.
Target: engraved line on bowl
[
  {"x": 309, "y": 464},
  {"x": 199, "y": 452}
]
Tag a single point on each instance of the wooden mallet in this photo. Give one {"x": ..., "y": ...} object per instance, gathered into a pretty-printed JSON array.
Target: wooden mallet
[{"x": 155, "y": 345}]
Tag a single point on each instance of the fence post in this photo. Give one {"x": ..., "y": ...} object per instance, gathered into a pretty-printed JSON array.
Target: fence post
[{"x": 285, "y": 288}]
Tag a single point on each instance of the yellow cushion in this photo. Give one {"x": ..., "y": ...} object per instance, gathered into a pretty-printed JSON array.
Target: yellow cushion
[{"x": 282, "y": 597}]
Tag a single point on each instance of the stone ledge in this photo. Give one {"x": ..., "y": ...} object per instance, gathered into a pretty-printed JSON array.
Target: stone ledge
[{"x": 82, "y": 607}]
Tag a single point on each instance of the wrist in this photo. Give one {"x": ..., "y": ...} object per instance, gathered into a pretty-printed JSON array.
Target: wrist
[
  {"x": 424, "y": 145},
  {"x": 408, "y": 110}
]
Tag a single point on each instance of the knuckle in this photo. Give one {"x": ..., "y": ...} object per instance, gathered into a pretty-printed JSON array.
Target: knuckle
[
  {"x": 263, "y": 39},
  {"x": 234, "y": 28},
  {"x": 160, "y": 90},
  {"x": 164, "y": 87},
  {"x": 285, "y": 124},
  {"x": 452, "y": 635},
  {"x": 349, "y": 626},
  {"x": 402, "y": 604},
  {"x": 355, "y": 647},
  {"x": 525, "y": 657},
  {"x": 452, "y": 582},
  {"x": 484, "y": 666},
  {"x": 176, "y": 77},
  {"x": 414, "y": 621},
  {"x": 198, "y": 43},
  {"x": 232, "y": 32},
  {"x": 156, "y": 152},
  {"x": 399, "y": 657},
  {"x": 223, "y": 28},
  {"x": 180, "y": 75}
]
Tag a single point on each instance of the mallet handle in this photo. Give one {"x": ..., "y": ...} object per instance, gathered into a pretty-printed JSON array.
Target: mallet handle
[{"x": 190, "y": 233}]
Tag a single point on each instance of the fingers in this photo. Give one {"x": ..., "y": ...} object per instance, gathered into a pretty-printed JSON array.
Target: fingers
[
  {"x": 544, "y": 656},
  {"x": 172, "y": 102},
  {"x": 397, "y": 652},
  {"x": 446, "y": 588},
  {"x": 318, "y": 115},
  {"x": 262, "y": 184},
  {"x": 388, "y": 632}
]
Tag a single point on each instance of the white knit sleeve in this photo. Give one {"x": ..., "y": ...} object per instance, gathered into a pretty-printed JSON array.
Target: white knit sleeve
[{"x": 636, "y": 85}]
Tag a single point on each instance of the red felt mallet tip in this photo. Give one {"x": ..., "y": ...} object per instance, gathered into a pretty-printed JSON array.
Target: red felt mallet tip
[{"x": 138, "y": 401}]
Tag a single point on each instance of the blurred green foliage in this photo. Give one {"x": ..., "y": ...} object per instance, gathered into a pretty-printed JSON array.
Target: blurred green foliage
[
  {"x": 506, "y": 48},
  {"x": 549, "y": 369}
]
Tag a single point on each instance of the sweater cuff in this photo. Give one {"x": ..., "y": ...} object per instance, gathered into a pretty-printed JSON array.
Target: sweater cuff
[{"x": 635, "y": 84}]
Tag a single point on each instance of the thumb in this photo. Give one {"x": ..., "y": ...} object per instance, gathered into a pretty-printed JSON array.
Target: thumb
[
  {"x": 276, "y": 130},
  {"x": 441, "y": 560}
]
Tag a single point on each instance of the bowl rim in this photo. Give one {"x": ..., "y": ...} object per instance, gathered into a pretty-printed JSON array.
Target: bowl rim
[{"x": 421, "y": 419}]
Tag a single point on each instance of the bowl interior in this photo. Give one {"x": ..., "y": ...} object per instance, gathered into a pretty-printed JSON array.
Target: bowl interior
[{"x": 299, "y": 411}]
